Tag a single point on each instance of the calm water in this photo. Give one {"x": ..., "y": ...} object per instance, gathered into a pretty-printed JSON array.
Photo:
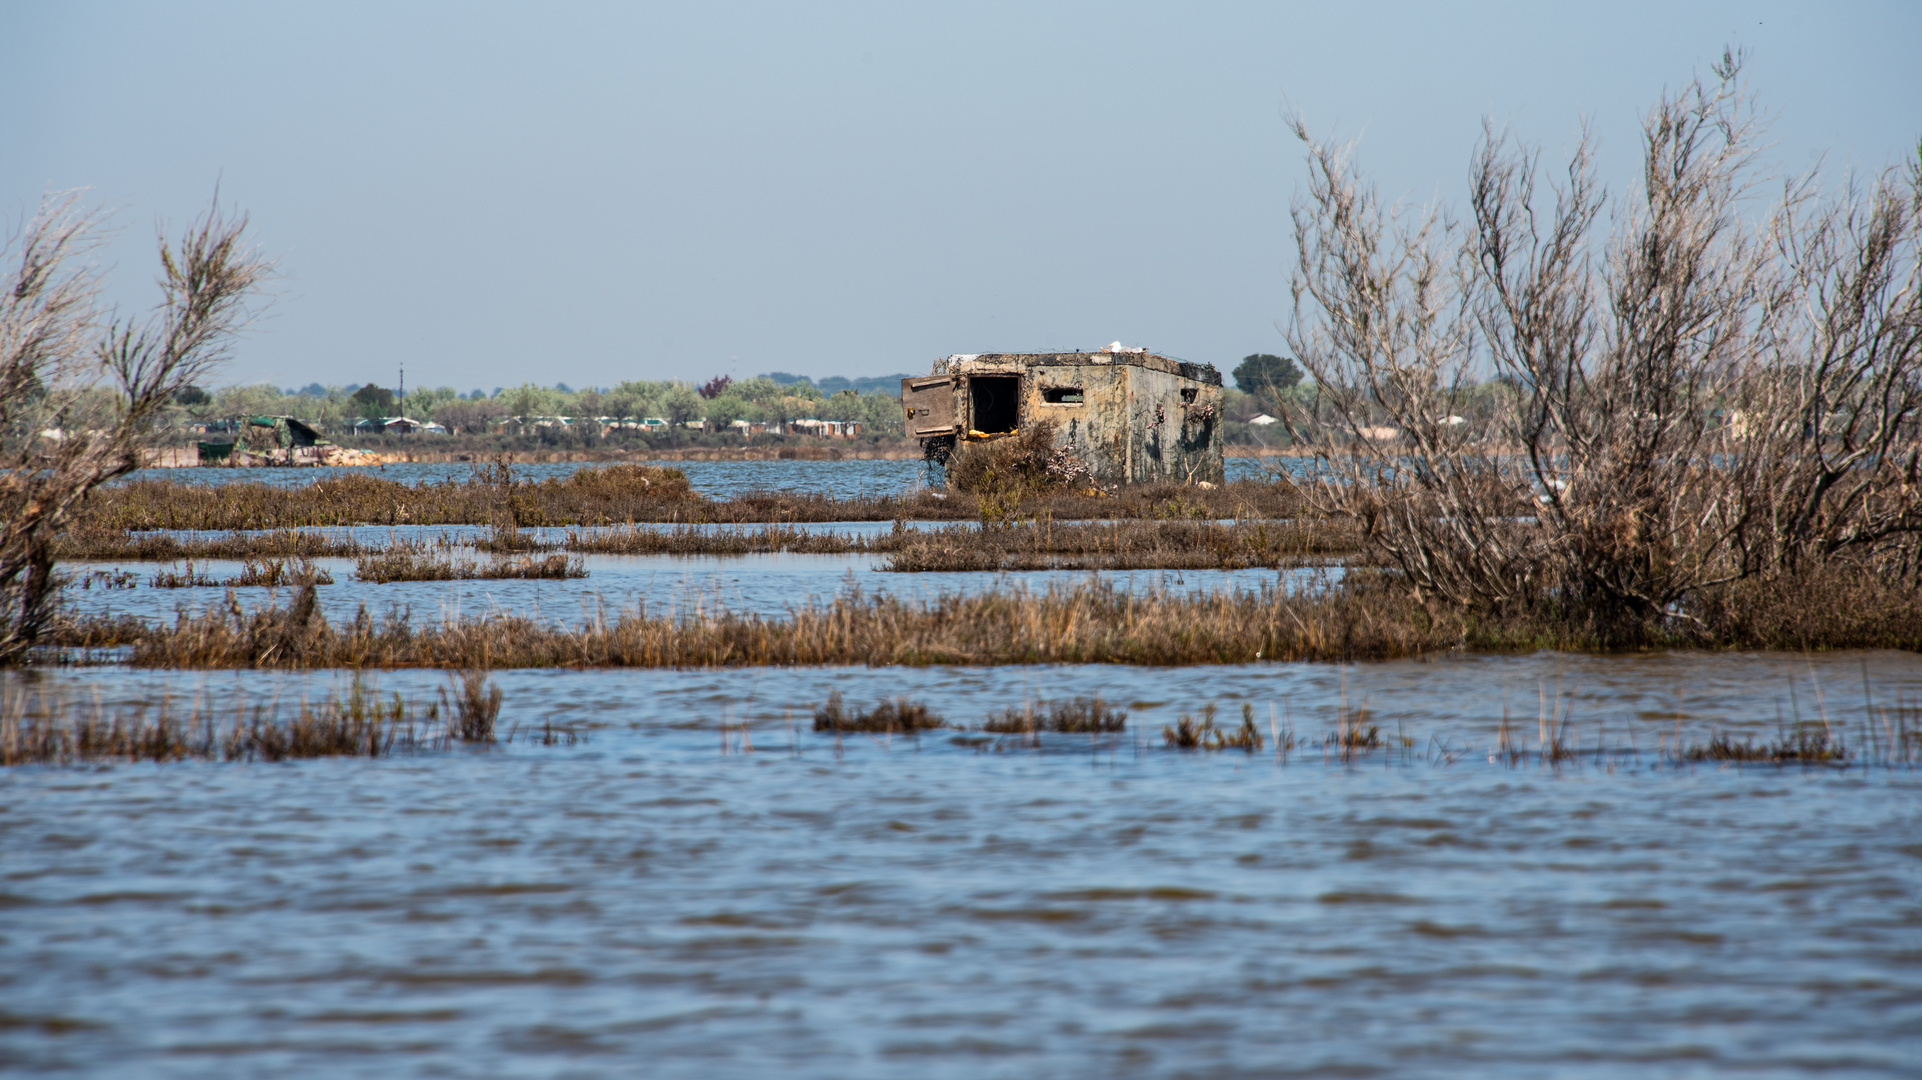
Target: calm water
[
  {"x": 648, "y": 904},
  {"x": 715, "y": 479}
]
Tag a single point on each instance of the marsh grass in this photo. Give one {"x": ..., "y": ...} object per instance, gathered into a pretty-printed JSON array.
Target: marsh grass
[
  {"x": 616, "y": 494},
  {"x": 1094, "y": 621},
  {"x": 1190, "y": 733},
  {"x": 1124, "y": 545},
  {"x": 475, "y": 705},
  {"x": 1810, "y": 743},
  {"x": 1074, "y": 623},
  {"x": 124, "y": 546},
  {"x": 899, "y": 716},
  {"x": 1082, "y": 715},
  {"x": 706, "y": 540},
  {"x": 186, "y": 578},
  {"x": 594, "y": 496},
  {"x": 1045, "y": 545},
  {"x": 402, "y": 563},
  {"x": 509, "y": 540},
  {"x": 269, "y": 573},
  {"x": 359, "y": 723}
]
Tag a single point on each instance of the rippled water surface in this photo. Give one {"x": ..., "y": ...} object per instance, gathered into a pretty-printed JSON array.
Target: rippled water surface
[{"x": 662, "y": 900}]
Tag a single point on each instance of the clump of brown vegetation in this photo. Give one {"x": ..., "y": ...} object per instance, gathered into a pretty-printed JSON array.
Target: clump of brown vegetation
[
  {"x": 1004, "y": 473},
  {"x": 121, "y": 545},
  {"x": 408, "y": 563},
  {"x": 507, "y": 539},
  {"x": 358, "y": 724},
  {"x": 271, "y": 573},
  {"x": 1086, "y": 622},
  {"x": 1189, "y": 733},
  {"x": 708, "y": 540},
  {"x": 1083, "y": 715},
  {"x": 899, "y": 716},
  {"x": 475, "y": 706},
  {"x": 1117, "y": 545},
  {"x": 1809, "y": 744},
  {"x": 497, "y": 497},
  {"x": 1041, "y": 545},
  {"x": 1365, "y": 616},
  {"x": 613, "y": 493}
]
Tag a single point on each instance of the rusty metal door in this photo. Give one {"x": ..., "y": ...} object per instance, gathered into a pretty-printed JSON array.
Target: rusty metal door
[{"x": 929, "y": 402}]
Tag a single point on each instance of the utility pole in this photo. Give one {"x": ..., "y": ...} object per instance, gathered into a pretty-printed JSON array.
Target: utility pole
[{"x": 401, "y": 405}]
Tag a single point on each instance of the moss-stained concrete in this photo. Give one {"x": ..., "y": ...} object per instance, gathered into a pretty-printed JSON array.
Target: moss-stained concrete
[{"x": 1129, "y": 415}]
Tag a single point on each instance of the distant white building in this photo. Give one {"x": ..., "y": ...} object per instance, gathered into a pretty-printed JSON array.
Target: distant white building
[{"x": 1264, "y": 420}]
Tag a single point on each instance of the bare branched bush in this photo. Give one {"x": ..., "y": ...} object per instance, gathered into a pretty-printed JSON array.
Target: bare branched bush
[
  {"x": 1531, "y": 412},
  {"x": 81, "y": 390}
]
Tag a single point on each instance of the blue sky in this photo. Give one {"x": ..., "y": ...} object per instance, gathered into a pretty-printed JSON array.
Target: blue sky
[{"x": 588, "y": 193}]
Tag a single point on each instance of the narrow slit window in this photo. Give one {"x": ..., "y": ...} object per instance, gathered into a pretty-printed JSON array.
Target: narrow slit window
[{"x": 1062, "y": 395}]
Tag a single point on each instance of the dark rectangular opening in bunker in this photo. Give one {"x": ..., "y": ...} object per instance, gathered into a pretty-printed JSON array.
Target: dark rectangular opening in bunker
[
  {"x": 1062, "y": 395},
  {"x": 995, "y": 403}
]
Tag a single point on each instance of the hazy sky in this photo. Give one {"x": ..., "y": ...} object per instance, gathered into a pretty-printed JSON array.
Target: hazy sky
[{"x": 587, "y": 193}]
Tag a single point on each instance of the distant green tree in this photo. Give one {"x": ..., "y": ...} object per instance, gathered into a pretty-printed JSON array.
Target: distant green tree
[
  {"x": 1265, "y": 375},
  {"x": 680, "y": 404},
  {"x": 373, "y": 402},
  {"x": 528, "y": 400}
]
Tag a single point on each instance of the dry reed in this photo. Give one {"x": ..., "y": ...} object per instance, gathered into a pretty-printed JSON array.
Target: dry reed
[
  {"x": 122, "y": 545},
  {"x": 401, "y": 563},
  {"x": 360, "y": 723},
  {"x": 608, "y": 495}
]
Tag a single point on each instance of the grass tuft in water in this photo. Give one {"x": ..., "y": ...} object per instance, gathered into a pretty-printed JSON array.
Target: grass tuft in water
[
  {"x": 1081, "y": 715},
  {"x": 476, "y": 704},
  {"x": 1189, "y": 733},
  {"x": 360, "y": 723},
  {"x": 898, "y": 716},
  {"x": 408, "y": 563},
  {"x": 1810, "y": 744}
]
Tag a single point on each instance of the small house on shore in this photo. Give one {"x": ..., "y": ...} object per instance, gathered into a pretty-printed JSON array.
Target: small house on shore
[{"x": 1129, "y": 415}]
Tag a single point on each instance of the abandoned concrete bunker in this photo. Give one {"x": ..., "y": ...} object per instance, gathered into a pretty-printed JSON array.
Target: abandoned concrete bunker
[{"x": 1129, "y": 415}]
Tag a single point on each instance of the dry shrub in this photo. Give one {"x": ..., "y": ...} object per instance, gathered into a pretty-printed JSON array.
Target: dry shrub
[
  {"x": 1687, "y": 394},
  {"x": 82, "y": 389},
  {"x": 1004, "y": 473}
]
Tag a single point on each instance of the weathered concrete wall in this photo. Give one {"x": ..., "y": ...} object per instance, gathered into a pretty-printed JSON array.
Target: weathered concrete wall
[
  {"x": 1141, "y": 417},
  {"x": 1177, "y": 427}
]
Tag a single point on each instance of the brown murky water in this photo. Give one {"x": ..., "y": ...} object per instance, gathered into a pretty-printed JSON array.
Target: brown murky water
[{"x": 661, "y": 900}]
